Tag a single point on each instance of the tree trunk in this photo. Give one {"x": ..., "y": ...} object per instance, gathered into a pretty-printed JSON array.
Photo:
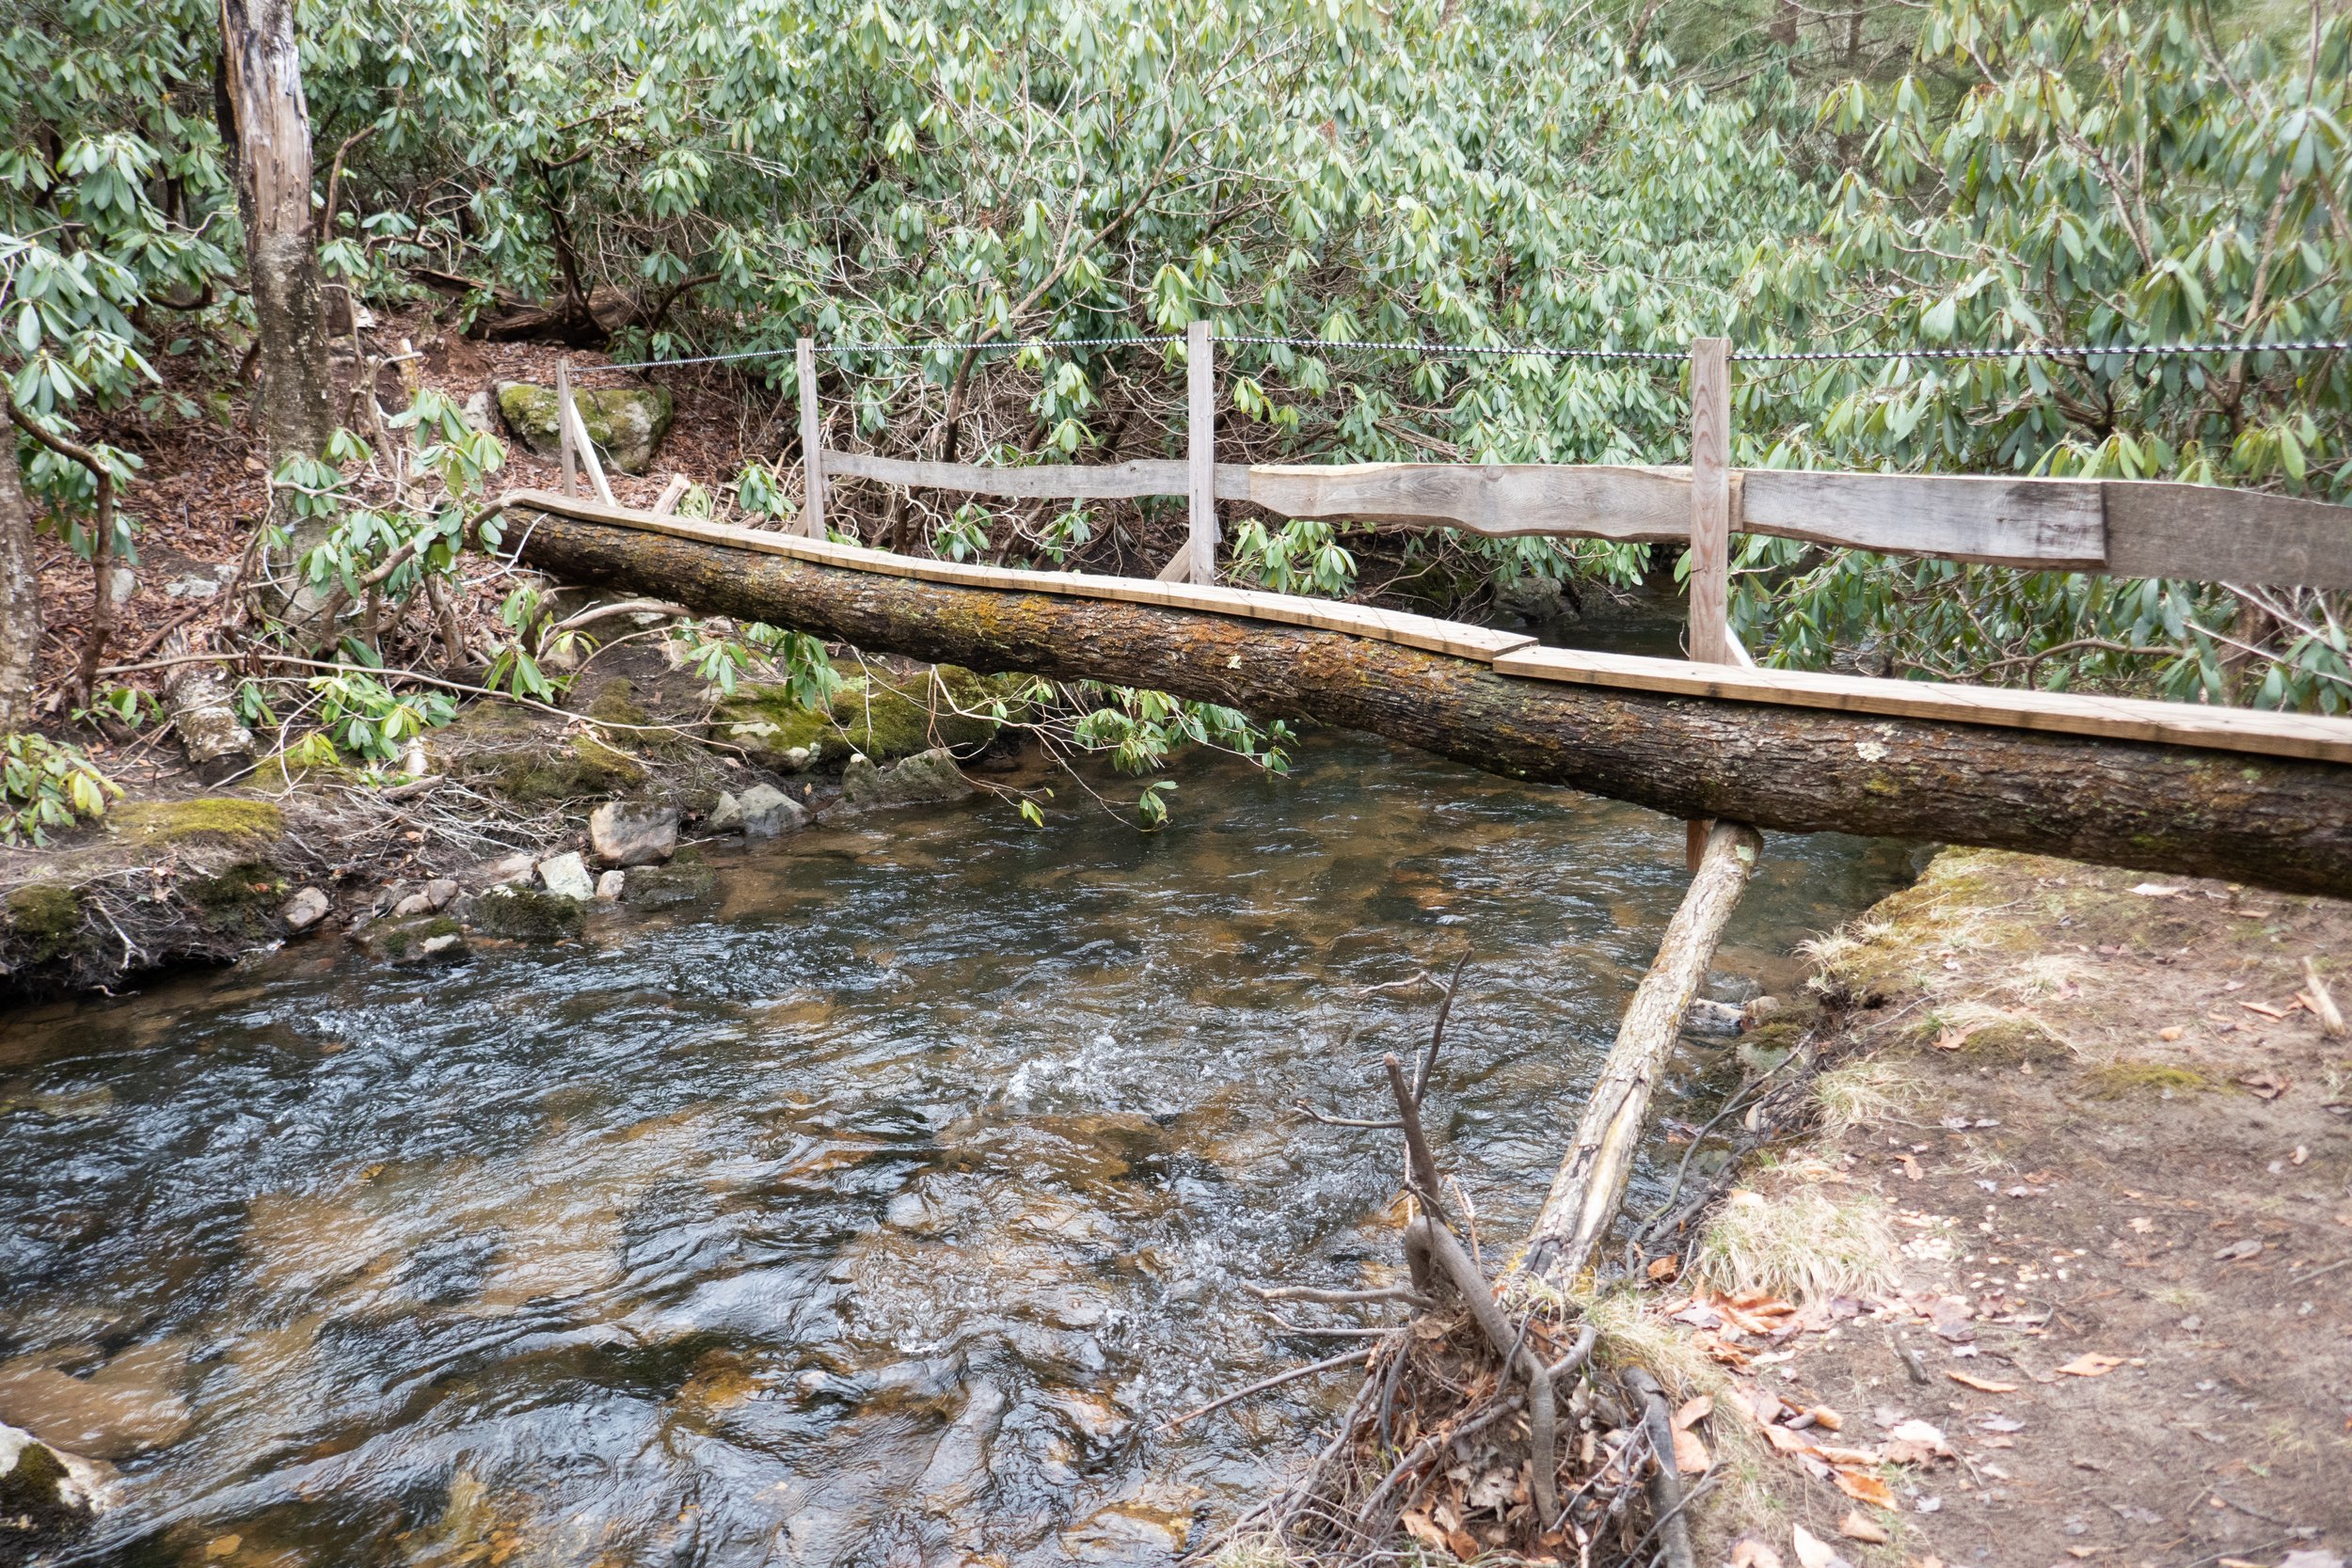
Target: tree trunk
[
  {"x": 2283, "y": 824},
  {"x": 262, "y": 77},
  {"x": 20, "y": 590}
]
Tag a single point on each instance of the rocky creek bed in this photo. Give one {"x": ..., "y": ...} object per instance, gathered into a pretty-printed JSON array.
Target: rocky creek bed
[{"x": 870, "y": 1193}]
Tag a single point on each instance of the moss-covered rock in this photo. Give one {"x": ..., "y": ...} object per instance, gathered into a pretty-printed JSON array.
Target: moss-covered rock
[
  {"x": 626, "y": 423},
  {"x": 420, "y": 939},
  {"x": 44, "y": 917},
  {"x": 885, "y": 719},
  {"x": 42, "y": 1503},
  {"x": 234, "y": 820},
  {"x": 513, "y": 752},
  {"x": 686, "y": 880},
  {"x": 528, "y": 914}
]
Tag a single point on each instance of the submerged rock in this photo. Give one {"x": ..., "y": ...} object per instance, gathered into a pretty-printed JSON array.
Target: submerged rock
[
  {"x": 624, "y": 834},
  {"x": 626, "y": 423},
  {"x": 931, "y": 776},
  {"x": 47, "y": 1496},
  {"x": 686, "y": 878}
]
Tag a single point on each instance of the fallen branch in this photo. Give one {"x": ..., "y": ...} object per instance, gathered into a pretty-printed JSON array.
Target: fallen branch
[{"x": 1328, "y": 1364}]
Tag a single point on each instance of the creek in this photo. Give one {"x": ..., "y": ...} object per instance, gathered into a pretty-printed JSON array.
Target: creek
[{"x": 879, "y": 1210}]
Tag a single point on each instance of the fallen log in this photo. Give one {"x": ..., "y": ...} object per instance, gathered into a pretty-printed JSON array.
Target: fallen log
[
  {"x": 2182, "y": 810},
  {"x": 1591, "y": 1180}
]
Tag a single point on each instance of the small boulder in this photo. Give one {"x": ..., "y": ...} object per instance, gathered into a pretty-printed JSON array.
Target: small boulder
[
  {"x": 527, "y": 914},
  {"x": 626, "y": 423},
  {"x": 625, "y": 834},
  {"x": 932, "y": 775},
  {"x": 726, "y": 817},
  {"x": 567, "y": 876},
  {"x": 519, "y": 866},
  {"x": 416, "y": 903},
  {"x": 684, "y": 881},
  {"x": 611, "y": 885},
  {"x": 768, "y": 812},
  {"x": 306, "y": 909}
]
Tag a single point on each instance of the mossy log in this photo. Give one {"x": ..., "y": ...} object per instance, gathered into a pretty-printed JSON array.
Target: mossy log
[{"x": 2180, "y": 809}]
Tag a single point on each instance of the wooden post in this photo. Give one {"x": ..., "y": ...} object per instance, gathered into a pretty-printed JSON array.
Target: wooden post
[
  {"x": 563, "y": 425},
  {"x": 812, "y": 443},
  {"x": 1708, "y": 639},
  {"x": 1200, "y": 448}
]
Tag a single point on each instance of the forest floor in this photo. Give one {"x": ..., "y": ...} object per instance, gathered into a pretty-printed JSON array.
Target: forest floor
[{"x": 2112, "y": 1155}]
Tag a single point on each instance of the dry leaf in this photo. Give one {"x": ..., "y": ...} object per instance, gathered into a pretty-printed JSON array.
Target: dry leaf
[
  {"x": 2267, "y": 1086},
  {"x": 1864, "y": 1487},
  {"x": 1856, "y": 1525},
  {"x": 2157, "y": 890},
  {"x": 2091, "y": 1364},
  {"x": 2236, "y": 1250},
  {"x": 1826, "y": 1418},
  {"x": 1663, "y": 1269},
  {"x": 1982, "y": 1385},
  {"x": 1694, "y": 1412},
  {"x": 1911, "y": 1165},
  {"x": 2263, "y": 1009},
  {"x": 1787, "y": 1441},
  {"x": 1690, "y": 1454},
  {"x": 1813, "y": 1552},
  {"x": 1751, "y": 1553},
  {"x": 2170, "y": 1032},
  {"x": 1420, "y": 1526}
]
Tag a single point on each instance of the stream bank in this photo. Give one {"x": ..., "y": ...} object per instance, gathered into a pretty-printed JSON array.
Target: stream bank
[{"x": 2062, "y": 1276}]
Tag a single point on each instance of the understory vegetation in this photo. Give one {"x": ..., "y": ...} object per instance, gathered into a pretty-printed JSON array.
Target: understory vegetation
[{"x": 1000, "y": 218}]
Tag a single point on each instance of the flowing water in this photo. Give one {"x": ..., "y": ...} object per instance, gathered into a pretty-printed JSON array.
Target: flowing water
[{"x": 879, "y": 1213}]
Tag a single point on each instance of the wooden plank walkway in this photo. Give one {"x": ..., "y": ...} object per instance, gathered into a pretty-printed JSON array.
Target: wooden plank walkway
[{"x": 2247, "y": 731}]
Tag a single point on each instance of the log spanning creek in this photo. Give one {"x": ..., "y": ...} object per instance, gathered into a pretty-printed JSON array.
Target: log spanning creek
[{"x": 880, "y": 1209}]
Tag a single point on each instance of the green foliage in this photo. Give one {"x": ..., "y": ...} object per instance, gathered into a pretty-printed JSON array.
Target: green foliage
[
  {"x": 2077, "y": 173},
  {"x": 48, "y": 783}
]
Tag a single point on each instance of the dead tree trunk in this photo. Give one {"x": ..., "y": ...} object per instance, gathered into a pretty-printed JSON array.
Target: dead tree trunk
[
  {"x": 19, "y": 590},
  {"x": 264, "y": 78},
  {"x": 2283, "y": 824},
  {"x": 1592, "y": 1179}
]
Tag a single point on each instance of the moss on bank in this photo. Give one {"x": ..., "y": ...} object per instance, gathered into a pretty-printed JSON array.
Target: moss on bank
[
  {"x": 227, "y": 819},
  {"x": 44, "y": 917}
]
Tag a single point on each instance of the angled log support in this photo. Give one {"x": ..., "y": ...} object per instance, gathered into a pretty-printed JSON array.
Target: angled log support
[
  {"x": 2284, "y": 824},
  {"x": 1591, "y": 1178}
]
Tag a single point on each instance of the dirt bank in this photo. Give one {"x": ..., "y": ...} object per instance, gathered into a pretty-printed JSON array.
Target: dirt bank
[{"x": 2081, "y": 1203}]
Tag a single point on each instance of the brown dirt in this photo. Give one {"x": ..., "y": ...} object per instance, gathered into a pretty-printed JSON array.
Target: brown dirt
[{"x": 2121, "y": 1136}]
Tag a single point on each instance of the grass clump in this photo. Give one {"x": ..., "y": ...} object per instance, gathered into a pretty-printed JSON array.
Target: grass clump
[
  {"x": 1801, "y": 1245},
  {"x": 2118, "y": 1079},
  {"x": 1860, "y": 1094}
]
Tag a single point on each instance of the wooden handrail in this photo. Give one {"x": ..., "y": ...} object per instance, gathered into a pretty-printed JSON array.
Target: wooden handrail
[{"x": 2125, "y": 528}]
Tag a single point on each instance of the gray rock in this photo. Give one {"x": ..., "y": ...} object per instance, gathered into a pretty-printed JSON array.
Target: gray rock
[
  {"x": 726, "y": 817},
  {"x": 440, "y": 948},
  {"x": 1532, "y": 597},
  {"x": 931, "y": 775},
  {"x": 567, "y": 876},
  {"x": 518, "y": 867},
  {"x": 416, "y": 903},
  {"x": 625, "y": 834},
  {"x": 768, "y": 812},
  {"x": 306, "y": 909},
  {"x": 439, "y": 891},
  {"x": 626, "y": 423},
  {"x": 191, "y": 587},
  {"x": 609, "y": 886}
]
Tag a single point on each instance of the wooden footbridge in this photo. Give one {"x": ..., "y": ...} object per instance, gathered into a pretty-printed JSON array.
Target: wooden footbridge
[{"x": 2257, "y": 796}]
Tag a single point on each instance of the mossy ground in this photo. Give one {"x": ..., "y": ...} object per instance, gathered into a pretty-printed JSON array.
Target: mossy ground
[
  {"x": 230, "y": 820},
  {"x": 528, "y": 914}
]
